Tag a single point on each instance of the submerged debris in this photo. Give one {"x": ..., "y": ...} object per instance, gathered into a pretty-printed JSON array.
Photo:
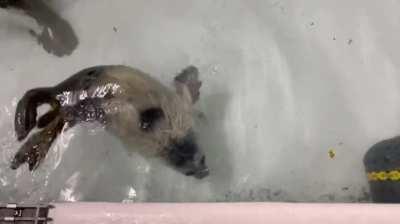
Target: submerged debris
[{"x": 350, "y": 41}]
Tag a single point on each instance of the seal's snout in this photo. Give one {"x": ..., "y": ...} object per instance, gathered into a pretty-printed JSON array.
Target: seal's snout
[
  {"x": 202, "y": 173},
  {"x": 200, "y": 170},
  {"x": 185, "y": 156}
]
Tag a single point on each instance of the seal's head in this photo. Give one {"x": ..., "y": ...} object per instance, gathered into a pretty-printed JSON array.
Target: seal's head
[
  {"x": 155, "y": 121},
  {"x": 185, "y": 156}
]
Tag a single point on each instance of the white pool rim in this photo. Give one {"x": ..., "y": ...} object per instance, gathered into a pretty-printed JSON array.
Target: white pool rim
[{"x": 220, "y": 213}]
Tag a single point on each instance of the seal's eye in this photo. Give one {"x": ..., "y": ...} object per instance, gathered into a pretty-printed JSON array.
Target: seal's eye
[{"x": 149, "y": 117}]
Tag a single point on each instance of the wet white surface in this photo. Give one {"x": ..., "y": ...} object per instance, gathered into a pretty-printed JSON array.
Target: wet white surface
[{"x": 284, "y": 83}]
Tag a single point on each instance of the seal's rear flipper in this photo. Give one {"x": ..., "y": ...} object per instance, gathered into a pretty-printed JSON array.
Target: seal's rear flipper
[
  {"x": 48, "y": 117},
  {"x": 188, "y": 82},
  {"x": 25, "y": 116},
  {"x": 34, "y": 150}
]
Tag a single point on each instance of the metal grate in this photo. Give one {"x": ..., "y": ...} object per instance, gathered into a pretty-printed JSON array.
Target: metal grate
[{"x": 25, "y": 214}]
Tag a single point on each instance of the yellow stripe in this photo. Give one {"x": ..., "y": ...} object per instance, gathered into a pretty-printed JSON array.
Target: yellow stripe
[{"x": 392, "y": 175}]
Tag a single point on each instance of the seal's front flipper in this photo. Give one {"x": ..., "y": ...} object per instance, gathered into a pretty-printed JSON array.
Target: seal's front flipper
[
  {"x": 34, "y": 150},
  {"x": 188, "y": 83},
  {"x": 25, "y": 116}
]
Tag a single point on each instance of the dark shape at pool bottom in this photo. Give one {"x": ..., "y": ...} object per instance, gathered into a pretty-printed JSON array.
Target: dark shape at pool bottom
[
  {"x": 148, "y": 116},
  {"x": 57, "y": 36},
  {"x": 382, "y": 164}
]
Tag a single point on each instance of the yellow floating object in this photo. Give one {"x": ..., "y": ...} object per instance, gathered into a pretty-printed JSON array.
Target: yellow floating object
[
  {"x": 332, "y": 153},
  {"x": 392, "y": 175}
]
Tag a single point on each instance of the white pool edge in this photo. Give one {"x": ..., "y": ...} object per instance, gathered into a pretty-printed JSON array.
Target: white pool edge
[{"x": 218, "y": 213}]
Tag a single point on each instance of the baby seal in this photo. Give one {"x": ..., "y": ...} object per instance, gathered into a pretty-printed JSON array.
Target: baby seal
[{"x": 149, "y": 117}]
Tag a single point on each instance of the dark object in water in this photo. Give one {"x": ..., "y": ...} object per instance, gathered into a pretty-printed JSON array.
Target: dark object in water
[
  {"x": 57, "y": 37},
  {"x": 7, "y": 3},
  {"x": 149, "y": 117},
  {"x": 382, "y": 164}
]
